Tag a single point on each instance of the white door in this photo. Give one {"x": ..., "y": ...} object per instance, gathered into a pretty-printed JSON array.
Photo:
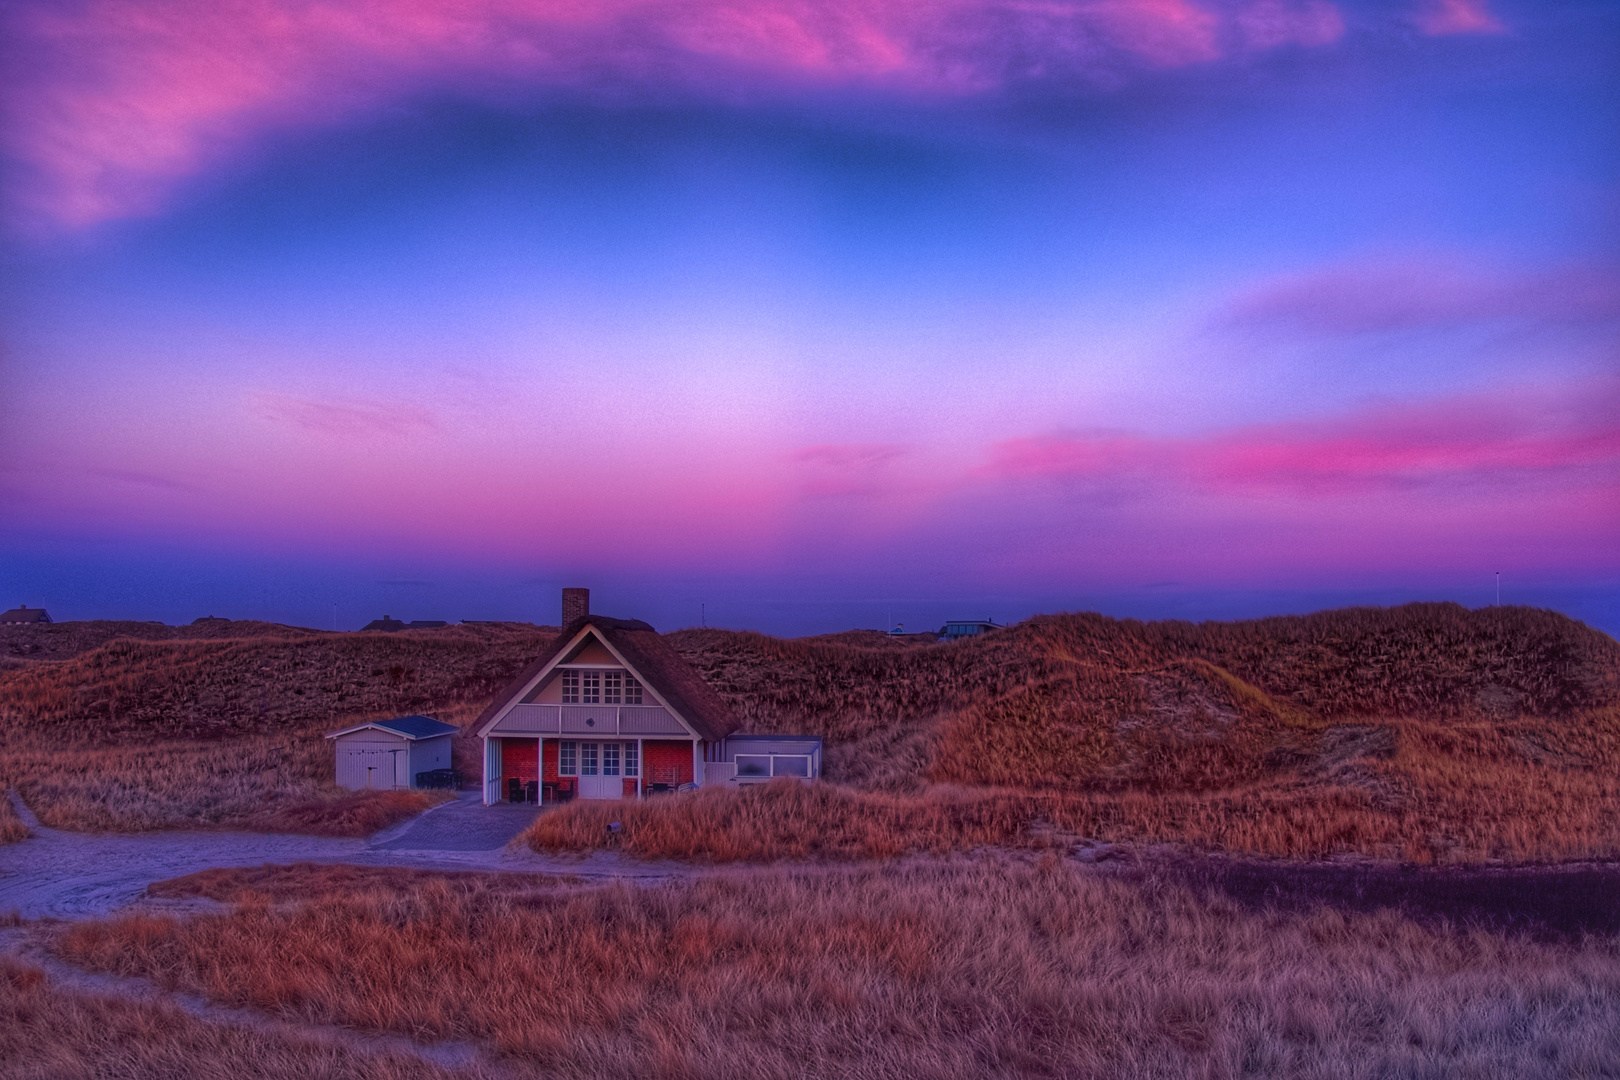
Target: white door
[{"x": 600, "y": 771}]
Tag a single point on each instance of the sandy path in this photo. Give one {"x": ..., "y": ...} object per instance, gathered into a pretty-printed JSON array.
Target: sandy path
[{"x": 58, "y": 874}]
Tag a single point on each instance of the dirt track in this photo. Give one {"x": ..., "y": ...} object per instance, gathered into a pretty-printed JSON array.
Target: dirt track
[{"x": 57, "y": 874}]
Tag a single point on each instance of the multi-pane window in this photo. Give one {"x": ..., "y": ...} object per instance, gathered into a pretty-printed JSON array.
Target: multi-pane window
[
  {"x": 566, "y": 760},
  {"x": 570, "y": 688},
  {"x": 592, "y": 691},
  {"x": 612, "y": 687},
  {"x": 631, "y": 765},
  {"x": 610, "y": 759},
  {"x": 587, "y": 759},
  {"x": 632, "y": 690}
]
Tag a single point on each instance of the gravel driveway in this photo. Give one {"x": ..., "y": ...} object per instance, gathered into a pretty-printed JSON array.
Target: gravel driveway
[{"x": 76, "y": 875}]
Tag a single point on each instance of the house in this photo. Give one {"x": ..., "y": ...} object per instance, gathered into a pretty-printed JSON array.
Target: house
[
  {"x": 23, "y": 614},
  {"x": 962, "y": 628},
  {"x": 610, "y": 711},
  {"x": 388, "y": 754},
  {"x": 388, "y": 624}
]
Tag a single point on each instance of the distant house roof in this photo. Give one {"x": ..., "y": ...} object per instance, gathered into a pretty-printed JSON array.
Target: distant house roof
[
  {"x": 409, "y": 727},
  {"x": 22, "y": 613},
  {"x": 389, "y": 624},
  {"x": 659, "y": 667}
]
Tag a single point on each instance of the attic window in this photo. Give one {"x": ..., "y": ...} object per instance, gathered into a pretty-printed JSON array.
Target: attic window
[
  {"x": 612, "y": 687},
  {"x": 592, "y": 692},
  {"x": 632, "y": 690},
  {"x": 570, "y": 688}
]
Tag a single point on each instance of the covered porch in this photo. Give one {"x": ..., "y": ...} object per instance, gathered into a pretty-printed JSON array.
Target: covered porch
[{"x": 548, "y": 770}]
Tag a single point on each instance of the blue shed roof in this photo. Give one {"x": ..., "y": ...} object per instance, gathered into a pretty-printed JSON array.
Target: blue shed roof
[{"x": 410, "y": 727}]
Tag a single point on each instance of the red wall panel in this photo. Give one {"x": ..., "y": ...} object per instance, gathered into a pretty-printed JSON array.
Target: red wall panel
[
  {"x": 667, "y": 762},
  {"x": 518, "y": 759}
]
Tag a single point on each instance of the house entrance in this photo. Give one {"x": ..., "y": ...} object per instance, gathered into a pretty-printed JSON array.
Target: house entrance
[{"x": 603, "y": 767}]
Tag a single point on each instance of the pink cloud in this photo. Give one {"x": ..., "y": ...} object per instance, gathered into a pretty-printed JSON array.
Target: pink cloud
[
  {"x": 115, "y": 101},
  {"x": 1271, "y": 24},
  {"x": 1496, "y": 441},
  {"x": 849, "y": 456},
  {"x": 1439, "y": 17},
  {"x": 347, "y": 419},
  {"x": 1417, "y": 292}
]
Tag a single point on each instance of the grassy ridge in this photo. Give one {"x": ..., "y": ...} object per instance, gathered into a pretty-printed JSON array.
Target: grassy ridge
[{"x": 1425, "y": 731}]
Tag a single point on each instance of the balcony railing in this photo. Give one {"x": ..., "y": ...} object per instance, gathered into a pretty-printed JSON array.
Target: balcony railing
[{"x": 584, "y": 720}]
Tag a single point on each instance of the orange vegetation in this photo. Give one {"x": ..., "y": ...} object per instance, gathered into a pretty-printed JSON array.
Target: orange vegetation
[
  {"x": 209, "y": 730},
  {"x": 48, "y": 1032},
  {"x": 986, "y": 967},
  {"x": 1423, "y": 732}
]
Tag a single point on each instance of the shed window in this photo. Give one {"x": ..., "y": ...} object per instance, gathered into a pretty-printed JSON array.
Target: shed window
[
  {"x": 790, "y": 766},
  {"x": 570, "y": 688},
  {"x": 592, "y": 691},
  {"x": 566, "y": 761}
]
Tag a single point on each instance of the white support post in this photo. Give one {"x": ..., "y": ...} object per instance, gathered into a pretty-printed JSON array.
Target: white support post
[
  {"x": 489, "y": 765},
  {"x": 697, "y": 762}
]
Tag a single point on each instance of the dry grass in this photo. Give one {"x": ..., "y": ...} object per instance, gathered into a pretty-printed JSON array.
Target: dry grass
[
  {"x": 207, "y": 730},
  {"x": 982, "y": 968},
  {"x": 50, "y": 1033},
  {"x": 1408, "y": 792},
  {"x": 277, "y": 784}
]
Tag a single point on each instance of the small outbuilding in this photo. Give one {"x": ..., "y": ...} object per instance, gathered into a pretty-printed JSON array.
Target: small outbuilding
[
  {"x": 754, "y": 759},
  {"x": 389, "y": 754},
  {"x": 23, "y": 614}
]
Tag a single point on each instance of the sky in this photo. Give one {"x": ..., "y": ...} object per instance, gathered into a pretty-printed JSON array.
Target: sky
[{"x": 798, "y": 315}]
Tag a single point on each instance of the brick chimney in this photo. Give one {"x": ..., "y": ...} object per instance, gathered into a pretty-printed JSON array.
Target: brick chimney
[{"x": 576, "y": 604}]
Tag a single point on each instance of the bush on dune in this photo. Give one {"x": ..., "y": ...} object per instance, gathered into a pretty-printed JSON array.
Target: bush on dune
[
  {"x": 359, "y": 813},
  {"x": 12, "y": 828}
]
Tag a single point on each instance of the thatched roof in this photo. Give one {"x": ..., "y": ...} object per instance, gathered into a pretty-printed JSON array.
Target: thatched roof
[{"x": 651, "y": 659}]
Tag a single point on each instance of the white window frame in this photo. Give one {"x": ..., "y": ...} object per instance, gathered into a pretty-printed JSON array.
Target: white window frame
[
  {"x": 612, "y": 687},
  {"x": 570, "y": 687},
  {"x": 568, "y": 758},
  {"x": 591, "y": 688}
]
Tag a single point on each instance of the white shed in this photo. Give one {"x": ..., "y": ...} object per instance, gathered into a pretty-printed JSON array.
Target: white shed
[{"x": 388, "y": 754}]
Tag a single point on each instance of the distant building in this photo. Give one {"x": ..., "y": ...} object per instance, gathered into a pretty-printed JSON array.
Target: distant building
[
  {"x": 23, "y": 614},
  {"x": 388, "y": 624},
  {"x": 962, "y": 628}
]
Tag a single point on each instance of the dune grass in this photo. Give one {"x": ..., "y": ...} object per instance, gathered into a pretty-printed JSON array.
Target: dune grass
[
  {"x": 48, "y": 1032},
  {"x": 981, "y": 967},
  {"x": 1419, "y": 792},
  {"x": 273, "y": 784}
]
